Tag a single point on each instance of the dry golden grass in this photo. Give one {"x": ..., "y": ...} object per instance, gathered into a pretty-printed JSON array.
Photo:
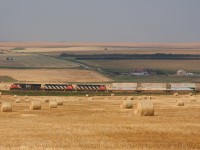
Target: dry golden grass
[
  {"x": 99, "y": 48},
  {"x": 53, "y": 75},
  {"x": 110, "y": 50},
  {"x": 101, "y": 125}
]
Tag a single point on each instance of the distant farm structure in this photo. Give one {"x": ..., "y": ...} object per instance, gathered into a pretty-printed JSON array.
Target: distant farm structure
[
  {"x": 181, "y": 73},
  {"x": 184, "y": 73},
  {"x": 141, "y": 72}
]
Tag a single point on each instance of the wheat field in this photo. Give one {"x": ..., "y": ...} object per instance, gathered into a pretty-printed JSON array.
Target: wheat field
[
  {"x": 53, "y": 75},
  {"x": 100, "y": 124}
]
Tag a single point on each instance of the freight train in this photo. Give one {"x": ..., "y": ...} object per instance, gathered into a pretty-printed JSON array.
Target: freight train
[{"x": 113, "y": 87}]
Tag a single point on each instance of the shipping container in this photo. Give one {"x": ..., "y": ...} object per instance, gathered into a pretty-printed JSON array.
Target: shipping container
[
  {"x": 124, "y": 86},
  {"x": 153, "y": 86},
  {"x": 182, "y": 86}
]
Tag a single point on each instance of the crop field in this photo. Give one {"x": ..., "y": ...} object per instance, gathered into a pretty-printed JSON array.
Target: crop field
[
  {"x": 173, "y": 65},
  {"x": 45, "y": 55},
  {"x": 21, "y": 60},
  {"x": 166, "y": 66},
  {"x": 103, "y": 48},
  {"x": 109, "y": 50},
  {"x": 53, "y": 75},
  {"x": 6, "y": 79},
  {"x": 100, "y": 124}
]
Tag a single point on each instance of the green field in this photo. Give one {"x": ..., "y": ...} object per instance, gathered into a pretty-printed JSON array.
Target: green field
[
  {"x": 7, "y": 79},
  {"x": 170, "y": 65},
  {"x": 18, "y": 48},
  {"x": 23, "y": 60}
]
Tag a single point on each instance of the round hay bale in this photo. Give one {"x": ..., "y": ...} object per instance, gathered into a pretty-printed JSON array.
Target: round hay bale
[
  {"x": 144, "y": 108},
  {"x": 145, "y": 97},
  {"x": 112, "y": 95},
  {"x": 35, "y": 105},
  {"x": 180, "y": 102},
  {"x": 53, "y": 104},
  {"x": 80, "y": 99},
  {"x": 87, "y": 95},
  {"x": 130, "y": 98},
  {"x": 15, "y": 96},
  {"x": 190, "y": 94},
  {"x": 193, "y": 99},
  {"x": 17, "y": 101},
  {"x": 59, "y": 102},
  {"x": 126, "y": 104},
  {"x": 90, "y": 98},
  {"x": 6, "y": 107},
  {"x": 46, "y": 99},
  {"x": 140, "y": 98},
  {"x": 175, "y": 94},
  {"x": 149, "y": 97}
]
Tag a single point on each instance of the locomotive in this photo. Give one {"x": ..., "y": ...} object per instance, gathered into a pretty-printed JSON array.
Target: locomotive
[
  {"x": 112, "y": 87},
  {"x": 57, "y": 87}
]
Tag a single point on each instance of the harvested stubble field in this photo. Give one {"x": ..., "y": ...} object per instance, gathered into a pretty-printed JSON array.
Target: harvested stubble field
[
  {"x": 111, "y": 50},
  {"x": 100, "y": 124},
  {"x": 53, "y": 75}
]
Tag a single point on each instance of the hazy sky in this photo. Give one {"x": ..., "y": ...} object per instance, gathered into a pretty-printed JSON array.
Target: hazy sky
[{"x": 100, "y": 20}]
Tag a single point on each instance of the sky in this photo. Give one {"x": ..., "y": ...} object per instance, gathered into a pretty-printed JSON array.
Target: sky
[{"x": 100, "y": 20}]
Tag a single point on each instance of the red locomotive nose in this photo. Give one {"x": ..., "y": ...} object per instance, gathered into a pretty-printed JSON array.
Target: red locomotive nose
[
  {"x": 69, "y": 88},
  {"x": 14, "y": 86},
  {"x": 102, "y": 88}
]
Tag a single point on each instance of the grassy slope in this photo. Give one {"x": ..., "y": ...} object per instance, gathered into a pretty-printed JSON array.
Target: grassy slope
[{"x": 7, "y": 79}]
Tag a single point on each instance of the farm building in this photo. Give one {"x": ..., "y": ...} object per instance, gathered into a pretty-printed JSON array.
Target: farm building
[
  {"x": 181, "y": 73},
  {"x": 190, "y": 74},
  {"x": 141, "y": 72}
]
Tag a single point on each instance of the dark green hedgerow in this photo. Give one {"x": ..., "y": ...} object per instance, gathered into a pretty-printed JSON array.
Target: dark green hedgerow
[{"x": 62, "y": 93}]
